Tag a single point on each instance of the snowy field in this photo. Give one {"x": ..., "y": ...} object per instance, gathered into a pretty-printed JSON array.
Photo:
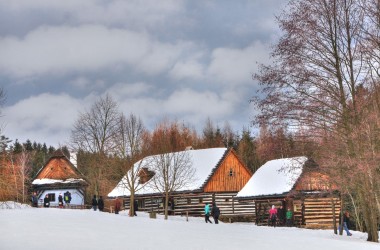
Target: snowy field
[{"x": 51, "y": 228}]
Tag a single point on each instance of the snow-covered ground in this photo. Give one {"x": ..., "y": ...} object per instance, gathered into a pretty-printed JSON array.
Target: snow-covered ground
[{"x": 52, "y": 228}]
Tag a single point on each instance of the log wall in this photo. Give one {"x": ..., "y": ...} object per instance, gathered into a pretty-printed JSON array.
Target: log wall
[
  {"x": 193, "y": 204},
  {"x": 317, "y": 212}
]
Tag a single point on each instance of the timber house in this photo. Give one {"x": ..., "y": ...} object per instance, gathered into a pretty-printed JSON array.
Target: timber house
[
  {"x": 296, "y": 184},
  {"x": 220, "y": 174},
  {"x": 58, "y": 176}
]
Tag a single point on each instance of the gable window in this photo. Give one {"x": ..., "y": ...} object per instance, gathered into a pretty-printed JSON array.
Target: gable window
[
  {"x": 51, "y": 196},
  {"x": 231, "y": 173}
]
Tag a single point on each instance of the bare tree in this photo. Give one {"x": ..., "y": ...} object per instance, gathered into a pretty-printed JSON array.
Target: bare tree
[
  {"x": 130, "y": 138},
  {"x": 24, "y": 168},
  {"x": 94, "y": 132},
  {"x": 319, "y": 69},
  {"x": 173, "y": 171}
]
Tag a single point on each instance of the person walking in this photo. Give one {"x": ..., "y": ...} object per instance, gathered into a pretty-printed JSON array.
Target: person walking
[
  {"x": 207, "y": 213},
  {"x": 289, "y": 218},
  {"x": 34, "y": 200},
  {"x": 215, "y": 212},
  {"x": 94, "y": 203},
  {"x": 60, "y": 201},
  {"x": 135, "y": 207},
  {"x": 273, "y": 216},
  {"x": 100, "y": 204},
  {"x": 46, "y": 201},
  {"x": 346, "y": 223},
  {"x": 117, "y": 206}
]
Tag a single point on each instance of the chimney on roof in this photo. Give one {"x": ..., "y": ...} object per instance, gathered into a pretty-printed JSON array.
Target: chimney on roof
[{"x": 73, "y": 159}]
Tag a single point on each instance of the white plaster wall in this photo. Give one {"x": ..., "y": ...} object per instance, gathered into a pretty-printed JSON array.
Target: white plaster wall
[{"x": 76, "y": 196}]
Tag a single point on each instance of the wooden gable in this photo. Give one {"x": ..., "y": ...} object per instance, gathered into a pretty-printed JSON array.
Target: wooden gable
[
  {"x": 229, "y": 176},
  {"x": 313, "y": 181},
  {"x": 58, "y": 168}
]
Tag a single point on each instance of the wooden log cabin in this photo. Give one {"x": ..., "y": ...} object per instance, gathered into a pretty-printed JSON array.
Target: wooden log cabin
[
  {"x": 296, "y": 184},
  {"x": 219, "y": 175},
  {"x": 58, "y": 176}
]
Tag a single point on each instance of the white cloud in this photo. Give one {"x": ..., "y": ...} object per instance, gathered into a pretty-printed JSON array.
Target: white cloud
[
  {"x": 236, "y": 66},
  {"x": 188, "y": 68},
  {"x": 121, "y": 91},
  {"x": 43, "y": 118},
  {"x": 58, "y": 50}
]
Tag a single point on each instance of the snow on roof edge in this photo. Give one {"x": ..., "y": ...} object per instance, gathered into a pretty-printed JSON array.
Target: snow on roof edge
[
  {"x": 210, "y": 158},
  {"x": 275, "y": 177}
]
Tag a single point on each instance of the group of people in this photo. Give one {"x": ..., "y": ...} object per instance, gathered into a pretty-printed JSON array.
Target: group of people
[
  {"x": 280, "y": 217},
  {"x": 97, "y": 203},
  {"x": 66, "y": 198},
  {"x": 214, "y": 211},
  {"x": 276, "y": 216}
]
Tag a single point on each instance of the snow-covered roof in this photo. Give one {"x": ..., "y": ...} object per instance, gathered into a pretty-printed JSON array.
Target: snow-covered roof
[
  {"x": 275, "y": 177},
  {"x": 203, "y": 161},
  {"x": 54, "y": 181}
]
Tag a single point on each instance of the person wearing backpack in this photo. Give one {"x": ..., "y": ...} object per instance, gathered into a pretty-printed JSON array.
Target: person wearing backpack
[
  {"x": 215, "y": 212},
  {"x": 67, "y": 198}
]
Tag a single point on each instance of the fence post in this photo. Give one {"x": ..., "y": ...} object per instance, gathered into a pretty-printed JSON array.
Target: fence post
[
  {"x": 187, "y": 215},
  {"x": 233, "y": 205}
]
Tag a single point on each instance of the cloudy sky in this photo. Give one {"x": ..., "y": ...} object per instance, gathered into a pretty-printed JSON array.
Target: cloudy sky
[{"x": 185, "y": 60}]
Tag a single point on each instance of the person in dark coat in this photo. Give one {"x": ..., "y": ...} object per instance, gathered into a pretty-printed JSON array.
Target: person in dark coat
[
  {"x": 117, "y": 206},
  {"x": 60, "y": 201},
  {"x": 281, "y": 216},
  {"x": 46, "y": 201},
  {"x": 34, "y": 200},
  {"x": 346, "y": 223},
  {"x": 101, "y": 204},
  {"x": 135, "y": 207},
  {"x": 94, "y": 203},
  {"x": 215, "y": 212},
  {"x": 67, "y": 198}
]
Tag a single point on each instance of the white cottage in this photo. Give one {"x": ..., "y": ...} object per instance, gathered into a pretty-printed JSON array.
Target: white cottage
[{"x": 59, "y": 176}]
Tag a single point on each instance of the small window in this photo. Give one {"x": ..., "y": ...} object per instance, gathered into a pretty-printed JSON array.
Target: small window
[
  {"x": 141, "y": 203},
  {"x": 51, "y": 196},
  {"x": 231, "y": 172},
  {"x": 188, "y": 201},
  {"x": 200, "y": 200},
  {"x": 227, "y": 200}
]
